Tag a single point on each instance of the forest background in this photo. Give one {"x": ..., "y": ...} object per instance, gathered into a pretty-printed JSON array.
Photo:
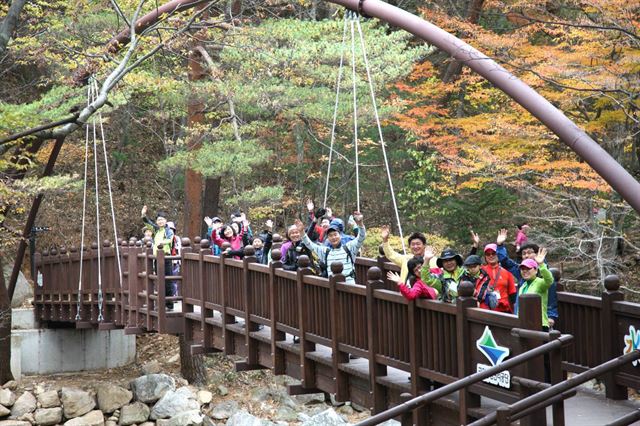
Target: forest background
[{"x": 238, "y": 97}]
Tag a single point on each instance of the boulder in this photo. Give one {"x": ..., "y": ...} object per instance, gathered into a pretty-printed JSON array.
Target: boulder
[
  {"x": 7, "y": 398},
  {"x": 48, "y": 416},
  {"x": 23, "y": 290},
  {"x": 26, "y": 403},
  {"x": 173, "y": 403},
  {"x": 224, "y": 410},
  {"x": 327, "y": 417},
  {"x": 4, "y": 411},
  {"x": 204, "y": 397},
  {"x": 112, "y": 397},
  {"x": 150, "y": 388},
  {"x": 49, "y": 399},
  {"x": 310, "y": 398},
  {"x": 92, "y": 418},
  {"x": 286, "y": 414},
  {"x": 242, "y": 418},
  {"x": 14, "y": 423},
  {"x": 11, "y": 385},
  {"x": 187, "y": 418},
  {"x": 76, "y": 402},
  {"x": 133, "y": 414}
]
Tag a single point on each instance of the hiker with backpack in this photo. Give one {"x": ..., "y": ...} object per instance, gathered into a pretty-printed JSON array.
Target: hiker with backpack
[
  {"x": 499, "y": 293},
  {"x": 337, "y": 251}
]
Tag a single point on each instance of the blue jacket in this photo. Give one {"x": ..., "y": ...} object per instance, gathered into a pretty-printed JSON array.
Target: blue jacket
[{"x": 514, "y": 267}]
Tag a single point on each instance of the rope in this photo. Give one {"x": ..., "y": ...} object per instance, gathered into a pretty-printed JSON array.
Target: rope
[
  {"x": 335, "y": 110},
  {"x": 355, "y": 110},
  {"x": 95, "y": 170},
  {"x": 84, "y": 209},
  {"x": 384, "y": 151},
  {"x": 113, "y": 213}
]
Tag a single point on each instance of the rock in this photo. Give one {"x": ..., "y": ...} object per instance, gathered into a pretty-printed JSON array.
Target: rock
[
  {"x": 173, "y": 403},
  {"x": 11, "y": 385},
  {"x": 7, "y": 398},
  {"x": 204, "y": 397},
  {"x": 286, "y": 414},
  {"x": 14, "y": 423},
  {"x": 326, "y": 418},
  {"x": 49, "y": 399},
  {"x": 206, "y": 421},
  {"x": 92, "y": 418},
  {"x": 187, "y": 418},
  {"x": 222, "y": 390},
  {"x": 27, "y": 417},
  {"x": 390, "y": 423},
  {"x": 147, "y": 424},
  {"x": 346, "y": 410},
  {"x": 224, "y": 410},
  {"x": 110, "y": 423},
  {"x": 4, "y": 411},
  {"x": 358, "y": 408},
  {"x": 152, "y": 367},
  {"x": 174, "y": 358},
  {"x": 48, "y": 416},
  {"x": 23, "y": 289},
  {"x": 310, "y": 398},
  {"x": 243, "y": 418},
  {"x": 151, "y": 387},
  {"x": 112, "y": 397},
  {"x": 26, "y": 403},
  {"x": 76, "y": 402},
  {"x": 134, "y": 413}
]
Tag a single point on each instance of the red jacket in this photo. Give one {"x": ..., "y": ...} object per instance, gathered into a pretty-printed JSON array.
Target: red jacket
[
  {"x": 506, "y": 286},
  {"x": 419, "y": 289}
]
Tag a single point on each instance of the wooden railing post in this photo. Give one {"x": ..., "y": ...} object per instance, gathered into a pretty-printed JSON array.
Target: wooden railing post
[
  {"x": 377, "y": 391},
  {"x": 207, "y": 332},
  {"x": 161, "y": 283},
  {"x": 148, "y": 284},
  {"x": 340, "y": 379},
  {"x": 612, "y": 343},
  {"x": 249, "y": 326},
  {"x": 530, "y": 317},
  {"x": 187, "y": 330},
  {"x": 465, "y": 346},
  {"x": 227, "y": 319},
  {"x": 277, "y": 354},
  {"x": 307, "y": 366}
]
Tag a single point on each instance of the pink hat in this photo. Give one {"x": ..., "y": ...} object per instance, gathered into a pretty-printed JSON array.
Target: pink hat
[
  {"x": 529, "y": 263},
  {"x": 492, "y": 247}
]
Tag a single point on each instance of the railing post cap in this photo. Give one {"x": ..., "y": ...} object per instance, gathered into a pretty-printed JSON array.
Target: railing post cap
[
  {"x": 276, "y": 238},
  {"x": 249, "y": 250},
  {"x": 63, "y": 250},
  {"x": 466, "y": 289},
  {"x": 73, "y": 249},
  {"x": 276, "y": 254},
  {"x": 45, "y": 252},
  {"x": 106, "y": 243},
  {"x": 204, "y": 243},
  {"x": 197, "y": 239},
  {"x": 303, "y": 261},
  {"x": 224, "y": 246},
  {"x": 337, "y": 268},
  {"x": 53, "y": 251},
  {"x": 612, "y": 283},
  {"x": 186, "y": 242},
  {"x": 374, "y": 273},
  {"x": 149, "y": 244},
  {"x": 94, "y": 245}
]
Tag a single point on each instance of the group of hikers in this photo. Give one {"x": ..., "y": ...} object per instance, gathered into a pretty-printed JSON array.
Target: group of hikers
[{"x": 498, "y": 280}]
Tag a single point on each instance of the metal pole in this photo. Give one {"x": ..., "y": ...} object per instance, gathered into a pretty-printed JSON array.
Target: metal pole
[
  {"x": 467, "y": 381},
  {"x": 588, "y": 149}
]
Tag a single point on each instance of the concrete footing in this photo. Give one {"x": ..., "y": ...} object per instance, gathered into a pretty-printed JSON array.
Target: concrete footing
[{"x": 43, "y": 351}]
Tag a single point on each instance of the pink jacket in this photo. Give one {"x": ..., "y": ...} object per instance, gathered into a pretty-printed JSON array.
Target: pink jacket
[{"x": 419, "y": 289}]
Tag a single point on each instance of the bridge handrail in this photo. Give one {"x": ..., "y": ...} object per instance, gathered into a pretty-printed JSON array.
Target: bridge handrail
[
  {"x": 412, "y": 404},
  {"x": 506, "y": 414}
]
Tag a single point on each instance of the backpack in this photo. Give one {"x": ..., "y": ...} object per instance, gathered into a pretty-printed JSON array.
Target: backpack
[
  {"x": 489, "y": 297},
  {"x": 324, "y": 268}
]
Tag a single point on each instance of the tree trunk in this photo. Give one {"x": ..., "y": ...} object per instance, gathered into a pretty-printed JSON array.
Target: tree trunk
[
  {"x": 5, "y": 330},
  {"x": 9, "y": 24},
  {"x": 191, "y": 366}
]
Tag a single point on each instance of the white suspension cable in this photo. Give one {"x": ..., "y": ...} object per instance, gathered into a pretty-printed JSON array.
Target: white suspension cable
[
  {"x": 84, "y": 209},
  {"x": 97, "y": 199},
  {"x": 382, "y": 144},
  {"x": 355, "y": 110},
  {"x": 335, "y": 110},
  {"x": 113, "y": 212}
]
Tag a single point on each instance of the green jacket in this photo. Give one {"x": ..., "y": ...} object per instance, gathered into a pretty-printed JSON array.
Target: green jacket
[
  {"x": 438, "y": 281},
  {"x": 539, "y": 285}
]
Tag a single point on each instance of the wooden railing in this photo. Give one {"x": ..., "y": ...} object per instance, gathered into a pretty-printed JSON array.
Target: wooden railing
[{"x": 360, "y": 342}]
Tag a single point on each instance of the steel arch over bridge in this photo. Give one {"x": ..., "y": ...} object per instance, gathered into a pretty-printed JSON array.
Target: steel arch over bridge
[{"x": 599, "y": 159}]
